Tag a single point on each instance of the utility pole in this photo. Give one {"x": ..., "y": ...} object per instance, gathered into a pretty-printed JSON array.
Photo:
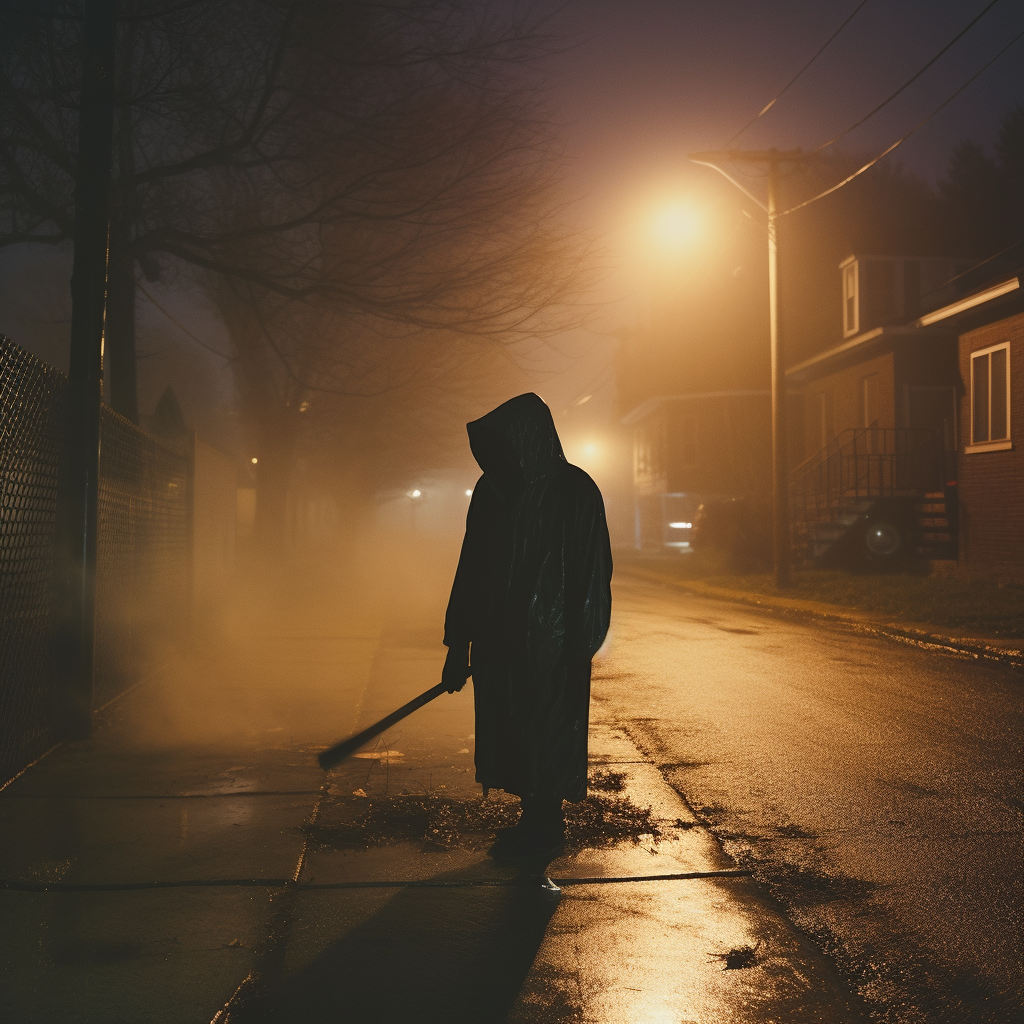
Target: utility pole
[
  {"x": 773, "y": 158},
  {"x": 77, "y": 508}
]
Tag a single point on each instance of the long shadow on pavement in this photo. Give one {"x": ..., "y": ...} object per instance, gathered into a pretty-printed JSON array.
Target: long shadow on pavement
[{"x": 433, "y": 954}]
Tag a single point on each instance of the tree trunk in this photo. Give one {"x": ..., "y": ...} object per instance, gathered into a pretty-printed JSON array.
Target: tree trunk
[
  {"x": 79, "y": 481},
  {"x": 119, "y": 350}
]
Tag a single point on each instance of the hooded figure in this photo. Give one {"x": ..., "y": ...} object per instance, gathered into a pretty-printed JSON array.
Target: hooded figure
[{"x": 532, "y": 596}]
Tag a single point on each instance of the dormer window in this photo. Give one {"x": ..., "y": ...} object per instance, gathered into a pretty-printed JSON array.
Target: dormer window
[
  {"x": 880, "y": 291},
  {"x": 851, "y": 305}
]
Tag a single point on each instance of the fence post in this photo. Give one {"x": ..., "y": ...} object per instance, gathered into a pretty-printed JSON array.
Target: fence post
[
  {"x": 189, "y": 595},
  {"x": 79, "y": 490}
]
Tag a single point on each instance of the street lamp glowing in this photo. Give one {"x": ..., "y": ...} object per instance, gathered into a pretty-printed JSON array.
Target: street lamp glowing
[
  {"x": 254, "y": 460},
  {"x": 415, "y": 494},
  {"x": 677, "y": 225}
]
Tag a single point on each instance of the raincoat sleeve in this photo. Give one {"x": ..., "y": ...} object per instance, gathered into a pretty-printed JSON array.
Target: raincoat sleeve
[
  {"x": 590, "y": 575},
  {"x": 469, "y": 591}
]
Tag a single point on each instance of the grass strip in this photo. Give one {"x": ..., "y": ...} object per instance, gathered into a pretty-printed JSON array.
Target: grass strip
[{"x": 989, "y": 609}]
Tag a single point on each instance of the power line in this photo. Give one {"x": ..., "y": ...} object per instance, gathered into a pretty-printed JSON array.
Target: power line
[
  {"x": 912, "y": 79},
  {"x": 771, "y": 103},
  {"x": 871, "y": 163},
  {"x": 181, "y": 327},
  {"x": 969, "y": 270}
]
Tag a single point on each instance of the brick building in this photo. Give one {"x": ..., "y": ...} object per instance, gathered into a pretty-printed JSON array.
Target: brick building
[{"x": 991, "y": 473}]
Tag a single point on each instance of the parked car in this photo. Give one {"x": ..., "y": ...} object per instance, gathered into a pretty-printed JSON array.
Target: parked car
[
  {"x": 876, "y": 534},
  {"x": 734, "y": 534}
]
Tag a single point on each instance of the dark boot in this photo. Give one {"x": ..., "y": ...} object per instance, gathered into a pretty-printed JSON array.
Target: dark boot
[
  {"x": 539, "y": 835},
  {"x": 505, "y": 837}
]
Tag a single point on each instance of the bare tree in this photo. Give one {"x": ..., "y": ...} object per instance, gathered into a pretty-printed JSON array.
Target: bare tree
[
  {"x": 389, "y": 158},
  {"x": 370, "y": 401}
]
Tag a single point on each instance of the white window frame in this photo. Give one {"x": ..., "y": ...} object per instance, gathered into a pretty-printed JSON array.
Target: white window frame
[
  {"x": 851, "y": 276},
  {"x": 1003, "y": 443}
]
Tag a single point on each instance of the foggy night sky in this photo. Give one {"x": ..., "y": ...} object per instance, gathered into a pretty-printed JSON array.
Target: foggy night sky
[{"x": 649, "y": 81}]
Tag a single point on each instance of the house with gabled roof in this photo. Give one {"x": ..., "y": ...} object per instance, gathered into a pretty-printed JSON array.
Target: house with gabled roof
[{"x": 894, "y": 413}]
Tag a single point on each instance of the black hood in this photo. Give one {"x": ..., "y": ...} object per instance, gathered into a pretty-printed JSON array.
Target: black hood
[{"x": 517, "y": 441}]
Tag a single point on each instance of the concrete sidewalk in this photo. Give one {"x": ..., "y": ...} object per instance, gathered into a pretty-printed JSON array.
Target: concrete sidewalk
[
  {"x": 154, "y": 879},
  {"x": 962, "y": 642},
  {"x": 140, "y": 865}
]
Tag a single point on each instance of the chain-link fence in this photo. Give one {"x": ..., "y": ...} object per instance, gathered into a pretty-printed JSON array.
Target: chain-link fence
[
  {"x": 143, "y": 555},
  {"x": 32, "y": 404}
]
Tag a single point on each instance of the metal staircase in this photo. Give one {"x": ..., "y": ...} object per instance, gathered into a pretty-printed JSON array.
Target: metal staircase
[{"x": 874, "y": 493}]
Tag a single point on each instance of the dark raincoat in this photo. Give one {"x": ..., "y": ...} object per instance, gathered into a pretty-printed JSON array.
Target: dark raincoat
[{"x": 532, "y": 594}]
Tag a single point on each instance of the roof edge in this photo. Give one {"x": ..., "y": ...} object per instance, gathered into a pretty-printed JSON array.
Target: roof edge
[
  {"x": 648, "y": 406},
  {"x": 978, "y": 298},
  {"x": 875, "y": 334}
]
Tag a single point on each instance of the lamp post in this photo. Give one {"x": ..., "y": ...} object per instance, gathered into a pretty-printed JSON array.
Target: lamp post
[{"x": 773, "y": 158}]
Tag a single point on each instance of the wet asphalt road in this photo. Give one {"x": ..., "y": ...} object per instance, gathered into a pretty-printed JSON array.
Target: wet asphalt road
[{"x": 875, "y": 787}]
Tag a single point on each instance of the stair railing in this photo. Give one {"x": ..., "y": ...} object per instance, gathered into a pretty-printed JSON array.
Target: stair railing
[{"x": 865, "y": 463}]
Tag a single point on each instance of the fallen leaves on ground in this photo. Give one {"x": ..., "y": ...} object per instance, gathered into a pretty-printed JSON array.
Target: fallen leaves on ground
[{"x": 447, "y": 823}]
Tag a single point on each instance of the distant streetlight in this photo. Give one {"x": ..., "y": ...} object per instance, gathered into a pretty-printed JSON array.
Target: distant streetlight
[
  {"x": 780, "y": 462},
  {"x": 254, "y": 460},
  {"x": 413, "y": 496}
]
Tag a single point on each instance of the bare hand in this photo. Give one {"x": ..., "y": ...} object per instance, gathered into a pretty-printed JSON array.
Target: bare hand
[{"x": 456, "y": 669}]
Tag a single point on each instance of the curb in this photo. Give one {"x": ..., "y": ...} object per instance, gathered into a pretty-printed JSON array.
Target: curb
[{"x": 970, "y": 647}]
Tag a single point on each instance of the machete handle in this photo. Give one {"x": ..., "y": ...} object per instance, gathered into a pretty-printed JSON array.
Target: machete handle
[{"x": 332, "y": 755}]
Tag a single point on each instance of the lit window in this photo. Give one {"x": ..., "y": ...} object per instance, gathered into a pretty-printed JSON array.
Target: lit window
[
  {"x": 990, "y": 395},
  {"x": 850, "y": 317}
]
